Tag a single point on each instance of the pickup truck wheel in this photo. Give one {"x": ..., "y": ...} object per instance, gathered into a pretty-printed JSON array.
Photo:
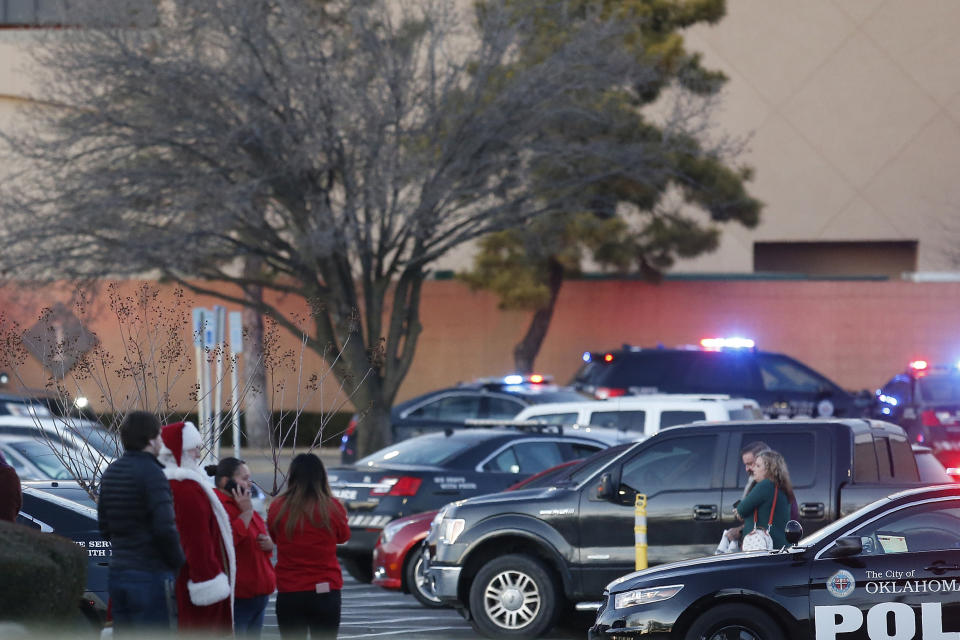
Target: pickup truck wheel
[
  {"x": 417, "y": 582},
  {"x": 513, "y": 596},
  {"x": 734, "y": 621}
]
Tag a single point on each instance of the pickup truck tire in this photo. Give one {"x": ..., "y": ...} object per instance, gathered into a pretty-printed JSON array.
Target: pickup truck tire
[
  {"x": 417, "y": 583},
  {"x": 741, "y": 621},
  {"x": 513, "y": 596}
]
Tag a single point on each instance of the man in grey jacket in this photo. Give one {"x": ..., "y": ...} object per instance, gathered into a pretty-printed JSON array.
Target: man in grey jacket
[{"x": 135, "y": 511}]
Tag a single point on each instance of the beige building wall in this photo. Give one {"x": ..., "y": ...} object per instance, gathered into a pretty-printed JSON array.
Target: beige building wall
[{"x": 854, "y": 111}]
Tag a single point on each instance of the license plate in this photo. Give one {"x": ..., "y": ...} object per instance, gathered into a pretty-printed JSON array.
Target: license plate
[{"x": 345, "y": 494}]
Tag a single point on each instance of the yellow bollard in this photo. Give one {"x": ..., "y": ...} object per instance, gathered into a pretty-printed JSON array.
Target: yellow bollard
[{"x": 640, "y": 530}]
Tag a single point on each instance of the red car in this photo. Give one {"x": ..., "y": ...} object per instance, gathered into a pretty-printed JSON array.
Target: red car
[{"x": 398, "y": 556}]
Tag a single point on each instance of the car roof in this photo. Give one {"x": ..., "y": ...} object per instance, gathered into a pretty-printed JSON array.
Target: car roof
[
  {"x": 640, "y": 401},
  {"x": 856, "y": 425}
]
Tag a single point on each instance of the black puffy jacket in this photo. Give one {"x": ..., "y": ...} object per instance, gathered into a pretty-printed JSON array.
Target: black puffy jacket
[{"x": 135, "y": 510}]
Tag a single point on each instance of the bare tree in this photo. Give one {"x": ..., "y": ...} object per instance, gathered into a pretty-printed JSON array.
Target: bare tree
[{"x": 345, "y": 145}]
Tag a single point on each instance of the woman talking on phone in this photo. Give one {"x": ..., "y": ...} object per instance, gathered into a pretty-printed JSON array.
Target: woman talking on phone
[
  {"x": 255, "y": 576},
  {"x": 307, "y": 523}
]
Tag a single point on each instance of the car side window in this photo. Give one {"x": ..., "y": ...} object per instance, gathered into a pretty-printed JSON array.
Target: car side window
[
  {"x": 556, "y": 418},
  {"x": 928, "y": 527},
  {"x": 453, "y": 408},
  {"x": 578, "y": 450},
  {"x": 797, "y": 449},
  {"x": 681, "y": 464},
  {"x": 527, "y": 457},
  {"x": 782, "y": 374},
  {"x": 722, "y": 372},
  {"x": 499, "y": 408},
  {"x": 625, "y": 420}
]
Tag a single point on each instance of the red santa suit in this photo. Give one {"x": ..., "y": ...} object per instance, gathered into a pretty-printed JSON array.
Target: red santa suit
[{"x": 206, "y": 581}]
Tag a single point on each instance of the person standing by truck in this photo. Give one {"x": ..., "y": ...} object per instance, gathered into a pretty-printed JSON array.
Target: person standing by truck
[{"x": 762, "y": 503}]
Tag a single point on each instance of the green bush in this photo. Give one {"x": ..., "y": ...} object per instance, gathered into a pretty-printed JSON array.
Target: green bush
[{"x": 43, "y": 575}]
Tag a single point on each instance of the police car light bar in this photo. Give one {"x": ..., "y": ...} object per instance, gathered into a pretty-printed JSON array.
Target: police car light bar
[
  {"x": 727, "y": 343},
  {"x": 587, "y": 356},
  {"x": 919, "y": 365}
]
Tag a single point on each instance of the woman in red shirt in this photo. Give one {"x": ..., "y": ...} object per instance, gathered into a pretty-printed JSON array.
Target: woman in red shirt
[
  {"x": 254, "y": 548},
  {"x": 307, "y": 523}
]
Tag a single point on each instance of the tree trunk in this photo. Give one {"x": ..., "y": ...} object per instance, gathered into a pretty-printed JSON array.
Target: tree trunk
[
  {"x": 256, "y": 406},
  {"x": 525, "y": 353},
  {"x": 373, "y": 431}
]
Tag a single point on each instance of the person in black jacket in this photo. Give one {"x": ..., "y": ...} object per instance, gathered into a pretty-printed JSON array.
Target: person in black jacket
[{"x": 135, "y": 511}]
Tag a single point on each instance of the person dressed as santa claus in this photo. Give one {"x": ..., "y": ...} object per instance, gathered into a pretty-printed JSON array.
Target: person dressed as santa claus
[{"x": 205, "y": 584}]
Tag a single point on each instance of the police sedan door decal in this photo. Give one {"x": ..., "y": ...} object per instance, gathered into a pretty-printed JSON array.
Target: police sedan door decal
[{"x": 904, "y": 582}]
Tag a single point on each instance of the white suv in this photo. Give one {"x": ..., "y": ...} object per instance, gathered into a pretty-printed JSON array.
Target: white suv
[{"x": 644, "y": 415}]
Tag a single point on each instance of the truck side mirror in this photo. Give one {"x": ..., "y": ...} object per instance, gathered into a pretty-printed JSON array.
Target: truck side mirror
[
  {"x": 793, "y": 531},
  {"x": 605, "y": 488},
  {"x": 846, "y": 546}
]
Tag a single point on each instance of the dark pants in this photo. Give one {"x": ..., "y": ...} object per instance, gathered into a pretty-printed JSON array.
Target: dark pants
[
  {"x": 248, "y": 616},
  {"x": 298, "y": 611},
  {"x": 142, "y": 600}
]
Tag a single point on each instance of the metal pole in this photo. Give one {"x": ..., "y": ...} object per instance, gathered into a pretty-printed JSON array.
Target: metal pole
[
  {"x": 236, "y": 348},
  {"x": 640, "y": 531},
  {"x": 219, "y": 318},
  {"x": 199, "y": 333}
]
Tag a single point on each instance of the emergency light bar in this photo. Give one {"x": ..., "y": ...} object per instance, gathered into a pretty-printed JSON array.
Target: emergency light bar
[{"x": 716, "y": 344}]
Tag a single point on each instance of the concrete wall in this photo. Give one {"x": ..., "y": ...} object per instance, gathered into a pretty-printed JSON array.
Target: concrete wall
[{"x": 857, "y": 333}]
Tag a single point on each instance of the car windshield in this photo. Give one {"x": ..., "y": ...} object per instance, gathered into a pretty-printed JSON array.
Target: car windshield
[
  {"x": 936, "y": 388},
  {"x": 594, "y": 463},
  {"x": 98, "y": 438},
  {"x": 433, "y": 449},
  {"x": 41, "y": 456}
]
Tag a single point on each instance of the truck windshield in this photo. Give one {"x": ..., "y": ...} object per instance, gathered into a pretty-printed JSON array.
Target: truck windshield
[{"x": 938, "y": 389}]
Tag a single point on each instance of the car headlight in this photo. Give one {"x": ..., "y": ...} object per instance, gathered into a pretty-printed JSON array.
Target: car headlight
[
  {"x": 449, "y": 530},
  {"x": 645, "y": 596},
  {"x": 391, "y": 530}
]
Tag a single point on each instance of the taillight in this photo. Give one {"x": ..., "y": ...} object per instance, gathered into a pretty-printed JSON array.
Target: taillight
[
  {"x": 928, "y": 418},
  {"x": 397, "y": 486},
  {"x": 602, "y": 393}
]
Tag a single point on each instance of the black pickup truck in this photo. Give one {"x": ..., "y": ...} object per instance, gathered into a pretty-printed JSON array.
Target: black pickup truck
[{"x": 511, "y": 561}]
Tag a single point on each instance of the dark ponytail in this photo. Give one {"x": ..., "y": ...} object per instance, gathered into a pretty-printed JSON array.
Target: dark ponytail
[{"x": 224, "y": 469}]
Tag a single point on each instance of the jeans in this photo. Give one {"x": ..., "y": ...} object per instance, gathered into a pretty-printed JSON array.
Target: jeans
[
  {"x": 298, "y": 611},
  {"x": 248, "y": 616},
  {"x": 142, "y": 600}
]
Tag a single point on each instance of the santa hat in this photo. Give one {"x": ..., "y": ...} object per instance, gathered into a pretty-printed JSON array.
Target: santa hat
[{"x": 179, "y": 437}]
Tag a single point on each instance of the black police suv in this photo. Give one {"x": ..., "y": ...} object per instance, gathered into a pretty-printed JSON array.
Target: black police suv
[
  {"x": 426, "y": 472},
  {"x": 487, "y": 398},
  {"x": 925, "y": 401},
  {"x": 65, "y": 509},
  {"x": 783, "y": 386},
  {"x": 568, "y": 541},
  {"x": 889, "y": 570}
]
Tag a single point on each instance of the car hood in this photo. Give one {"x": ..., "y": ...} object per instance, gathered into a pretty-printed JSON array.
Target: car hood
[
  {"x": 731, "y": 562},
  {"x": 510, "y": 497}
]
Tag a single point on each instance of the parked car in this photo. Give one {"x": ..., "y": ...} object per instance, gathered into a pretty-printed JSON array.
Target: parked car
[
  {"x": 925, "y": 400},
  {"x": 426, "y": 472},
  {"x": 36, "y": 460},
  {"x": 569, "y": 541},
  {"x": 398, "y": 556},
  {"x": 65, "y": 509},
  {"x": 487, "y": 398},
  {"x": 71, "y": 433},
  {"x": 887, "y": 570},
  {"x": 783, "y": 386},
  {"x": 643, "y": 416}
]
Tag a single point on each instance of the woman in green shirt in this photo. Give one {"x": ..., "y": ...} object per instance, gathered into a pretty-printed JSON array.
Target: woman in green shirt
[{"x": 770, "y": 471}]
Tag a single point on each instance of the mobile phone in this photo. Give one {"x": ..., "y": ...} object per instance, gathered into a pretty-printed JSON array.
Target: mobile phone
[
  {"x": 230, "y": 486},
  {"x": 736, "y": 503}
]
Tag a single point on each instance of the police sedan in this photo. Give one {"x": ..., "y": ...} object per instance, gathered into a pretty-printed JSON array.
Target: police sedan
[{"x": 890, "y": 571}]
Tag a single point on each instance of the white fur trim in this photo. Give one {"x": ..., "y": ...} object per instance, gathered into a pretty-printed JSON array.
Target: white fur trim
[
  {"x": 191, "y": 437},
  {"x": 223, "y": 521},
  {"x": 209, "y": 591}
]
